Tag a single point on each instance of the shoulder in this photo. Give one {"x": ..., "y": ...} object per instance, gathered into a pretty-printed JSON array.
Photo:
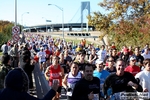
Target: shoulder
[
  {"x": 106, "y": 72},
  {"x": 113, "y": 74},
  {"x": 128, "y": 74},
  {"x": 96, "y": 78},
  {"x": 128, "y": 67},
  {"x": 140, "y": 74}
]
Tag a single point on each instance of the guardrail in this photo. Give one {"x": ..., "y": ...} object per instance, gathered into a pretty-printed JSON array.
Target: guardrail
[{"x": 41, "y": 83}]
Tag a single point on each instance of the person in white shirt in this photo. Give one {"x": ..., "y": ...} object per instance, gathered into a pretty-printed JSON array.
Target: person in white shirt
[
  {"x": 144, "y": 76},
  {"x": 102, "y": 53},
  {"x": 42, "y": 59},
  {"x": 146, "y": 54}
]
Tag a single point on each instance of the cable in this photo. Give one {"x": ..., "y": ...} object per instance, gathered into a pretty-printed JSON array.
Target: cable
[{"x": 75, "y": 14}]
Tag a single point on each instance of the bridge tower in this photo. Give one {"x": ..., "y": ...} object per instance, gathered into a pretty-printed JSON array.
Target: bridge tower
[{"x": 84, "y": 5}]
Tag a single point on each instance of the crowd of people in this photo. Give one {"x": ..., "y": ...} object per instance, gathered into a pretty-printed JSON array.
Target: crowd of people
[{"x": 85, "y": 71}]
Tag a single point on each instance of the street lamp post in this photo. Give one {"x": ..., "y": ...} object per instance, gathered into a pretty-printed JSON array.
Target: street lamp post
[
  {"x": 22, "y": 18},
  {"x": 62, "y": 17},
  {"x": 15, "y": 12}
]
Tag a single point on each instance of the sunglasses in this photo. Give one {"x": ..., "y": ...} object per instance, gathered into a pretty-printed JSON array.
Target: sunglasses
[{"x": 110, "y": 60}]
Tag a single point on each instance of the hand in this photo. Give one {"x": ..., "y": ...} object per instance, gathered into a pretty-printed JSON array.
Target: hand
[
  {"x": 32, "y": 62},
  {"x": 134, "y": 86},
  {"x": 130, "y": 83},
  {"x": 91, "y": 96},
  {"x": 55, "y": 85},
  {"x": 145, "y": 90}
]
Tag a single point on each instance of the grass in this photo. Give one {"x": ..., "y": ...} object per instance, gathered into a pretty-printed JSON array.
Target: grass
[{"x": 1, "y": 53}]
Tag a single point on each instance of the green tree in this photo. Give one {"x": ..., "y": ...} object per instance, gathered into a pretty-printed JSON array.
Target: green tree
[{"x": 125, "y": 23}]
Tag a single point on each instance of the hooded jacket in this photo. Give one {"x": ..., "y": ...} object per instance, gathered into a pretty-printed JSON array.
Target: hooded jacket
[{"x": 16, "y": 87}]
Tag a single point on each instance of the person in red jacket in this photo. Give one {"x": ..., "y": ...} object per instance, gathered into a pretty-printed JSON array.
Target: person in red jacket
[{"x": 132, "y": 68}]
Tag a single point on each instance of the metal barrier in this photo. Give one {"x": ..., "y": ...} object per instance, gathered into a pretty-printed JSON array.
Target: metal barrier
[
  {"x": 41, "y": 83},
  {"x": 78, "y": 34}
]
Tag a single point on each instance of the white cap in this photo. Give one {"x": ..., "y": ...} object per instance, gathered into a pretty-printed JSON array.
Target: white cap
[
  {"x": 98, "y": 61},
  {"x": 41, "y": 48},
  {"x": 132, "y": 58}
]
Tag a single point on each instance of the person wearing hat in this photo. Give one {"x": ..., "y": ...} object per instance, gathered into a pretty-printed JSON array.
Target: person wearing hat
[
  {"x": 133, "y": 68},
  {"x": 100, "y": 73},
  {"x": 17, "y": 86},
  {"x": 124, "y": 55}
]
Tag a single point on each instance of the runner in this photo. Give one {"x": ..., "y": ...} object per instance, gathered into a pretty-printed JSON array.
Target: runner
[
  {"x": 87, "y": 88},
  {"x": 55, "y": 72},
  {"x": 133, "y": 68},
  {"x": 120, "y": 81},
  {"x": 41, "y": 55},
  {"x": 101, "y": 74},
  {"x": 71, "y": 79},
  {"x": 144, "y": 76}
]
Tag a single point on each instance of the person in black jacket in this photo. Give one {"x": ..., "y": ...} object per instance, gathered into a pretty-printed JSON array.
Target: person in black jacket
[
  {"x": 120, "y": 81},
  {"x": 87, "y": 88},
  {"x": 28, "y": 68},
  {"x": 16, "y": 87}
]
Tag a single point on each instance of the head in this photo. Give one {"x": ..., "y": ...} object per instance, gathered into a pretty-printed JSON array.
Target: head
[
  {"x": 110, "y": 52},
  {"x": 26, "y": 58},
  {"x": 88, "y": 72},
  {"x": 130, "y": 48},
  {"x": 114, "y": 52},
  {"x": 146, "y": 64},
  {"x": 74, "y": 68},
  {"x": 120, "y": 66},
  {"x": 110, "y": 61},
  {"x": 93, "y": 51},
  {"x": 146, "y": 50},
  {"x": 17, "y": 80},
  {"x": 99, "y": 65},
  {"x": 147, "y": 45},
  {"x": 103, "y": 47},
  {"x": 41, "y": 48},
  {"x": 82, "y": 54},
  {"x": 55, "y": 60},
  {"x": 47, "y": 48},
  {"x": 125, "y": 51},
  {"x": 5, "y": 59},
  {"x": 132, "y": 60},
  {"x": 137, "y": 51}
]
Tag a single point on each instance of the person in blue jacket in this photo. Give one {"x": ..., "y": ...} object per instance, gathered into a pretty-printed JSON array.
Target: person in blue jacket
[
  {"x": 16, "y": 87},
  {"x": 100, "y": 73}
]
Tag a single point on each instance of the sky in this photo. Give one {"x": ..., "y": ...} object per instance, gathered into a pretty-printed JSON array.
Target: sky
[{"x": 39, "y": 11}]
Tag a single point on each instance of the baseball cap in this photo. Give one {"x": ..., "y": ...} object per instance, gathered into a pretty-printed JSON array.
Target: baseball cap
[
  {"x": 132, "y": 58},
  {"x": 41, "y": 48},
  {"x": 98, "y": 61}
]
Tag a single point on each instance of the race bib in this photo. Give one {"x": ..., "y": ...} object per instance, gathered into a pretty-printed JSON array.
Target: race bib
[
  {"x": 96, "y": 97},
  {"x": 69, "y": 93},
  {"x": 56, "y": 80}
]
